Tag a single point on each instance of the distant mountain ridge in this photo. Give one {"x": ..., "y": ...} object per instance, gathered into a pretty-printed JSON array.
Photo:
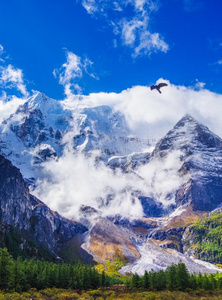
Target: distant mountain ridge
[
  {"x": 42, "y": 127},
  {"x": 176, "y": 183}
]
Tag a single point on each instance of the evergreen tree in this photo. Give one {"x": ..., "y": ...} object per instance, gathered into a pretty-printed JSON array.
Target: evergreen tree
[
  {"x": 171, "y": 277},
  {"x": 135, "y": 281},
  {"x": 193, "y": 281},
  {"x": 18, "y": 280},
  {"x": 182, "y": 277},
  {"x": 145, "y": 280},
  {"x": 6, "y": 264},
  {"x": 103, "y": 278},
  {"x": 153, "y": 280},
  {"x": 95, "y": 279},
  {"x": 200, "y": 281},
  {"x": 85, "y": 282},
  {"x": 160, "y": 280}
]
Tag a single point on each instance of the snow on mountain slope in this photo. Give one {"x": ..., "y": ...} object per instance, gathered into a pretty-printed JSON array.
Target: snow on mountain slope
[
  {"x": 199, "y": 145},
  {"x": 186, "y": 163},
  {"x": 42, "y": 128},
  {"x": 99, "y": 128},
  {"x": 34, "y": 133},
  {"x": 155, "y": 258},
  {"x": 187, "y": 167}
]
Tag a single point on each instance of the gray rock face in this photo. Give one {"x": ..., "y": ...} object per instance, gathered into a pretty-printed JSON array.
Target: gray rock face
[
  {"x": 201, "y": 162},
  {"x": 29, "y": 215},
  {"x": 15, "y": 205}
]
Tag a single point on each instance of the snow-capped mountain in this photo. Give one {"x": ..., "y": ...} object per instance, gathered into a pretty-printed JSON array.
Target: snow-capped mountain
[
  {"x": 188, "y": 167},
  {"x": 42, "y": 128},
  {"x": 178, "y": 181},
  {"x": 100, "y": 128},
  {"x": 34, "y": 133}
]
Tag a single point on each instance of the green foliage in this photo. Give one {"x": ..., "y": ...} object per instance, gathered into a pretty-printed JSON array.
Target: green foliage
[
  {"x": 208, "y": 241},
  {"x": 21, "y": 275},
  {"x": 5, "y": 269},
  {"x": 19, "y": 246},
  {"x": 176, "y": 278}
]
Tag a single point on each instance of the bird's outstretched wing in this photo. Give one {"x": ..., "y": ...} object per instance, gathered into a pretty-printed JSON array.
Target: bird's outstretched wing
[
  {"x": 162, "y": 84},
  {"x": 153, "y": 87}
]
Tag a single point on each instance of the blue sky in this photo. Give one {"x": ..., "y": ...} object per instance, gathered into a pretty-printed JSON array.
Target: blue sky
[{"x": 88, "y": 46}]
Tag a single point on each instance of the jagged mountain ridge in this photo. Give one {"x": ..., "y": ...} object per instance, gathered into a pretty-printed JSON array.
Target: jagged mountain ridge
[
  {"x": 42, "y": 127},
  {"x": 42, "y": 217},
  {"x": 198, "y": 164}
]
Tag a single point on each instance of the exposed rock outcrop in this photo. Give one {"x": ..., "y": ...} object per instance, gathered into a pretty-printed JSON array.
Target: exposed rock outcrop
[{"x": 33, "y": 219}]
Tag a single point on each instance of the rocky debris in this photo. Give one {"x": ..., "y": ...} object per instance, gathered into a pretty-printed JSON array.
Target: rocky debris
[
  {"x": 104, "y": 239},
  {"x": 107, "y": 241},
  {"x": 155, "y": 258}
]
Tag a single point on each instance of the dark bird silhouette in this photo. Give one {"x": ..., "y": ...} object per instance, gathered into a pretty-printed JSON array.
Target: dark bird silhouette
[{"x": 157, "y": 87}]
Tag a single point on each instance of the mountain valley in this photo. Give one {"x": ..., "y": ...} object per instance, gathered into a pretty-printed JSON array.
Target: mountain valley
[{"x": 150, "y": 221}]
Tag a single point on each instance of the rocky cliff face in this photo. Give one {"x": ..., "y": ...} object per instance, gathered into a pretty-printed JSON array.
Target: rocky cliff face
[
  {"x": 15, "y": 204},
  {"x": 178, "y": 181},
  {"x": 30, "y": 216},
  {"x": 199, "y": 164}
]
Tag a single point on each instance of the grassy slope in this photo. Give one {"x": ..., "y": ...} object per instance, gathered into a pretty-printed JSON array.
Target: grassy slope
[{"x": 206, "y": 235}]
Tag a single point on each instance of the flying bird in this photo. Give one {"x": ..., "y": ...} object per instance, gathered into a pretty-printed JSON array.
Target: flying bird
[{"x": 157, "y": 87}]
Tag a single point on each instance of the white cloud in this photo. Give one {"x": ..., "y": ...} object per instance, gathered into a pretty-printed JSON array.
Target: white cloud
[
  {"x": 219, "y": 62},
  {"x": 129, "y": 31},
  {"x": 150, "y": 42},
  {"x": 1, "y": 52},
  {"x": 8, "y": 105},
  {"x": 130, "y": 23},
  {"x": 156, "y": 113},
  {"x": 75, "y": 179},
  {"x": 71, "y": 71},
  {"x": 199, "y": 85},
  {"x": 11, "y": 77},
  {"x": 90, "y": 6}
]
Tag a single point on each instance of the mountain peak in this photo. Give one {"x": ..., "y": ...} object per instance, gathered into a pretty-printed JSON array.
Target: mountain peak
[
  {"x": 188, "y": 133},
  {"x": 185, "y": 120},
  {"x": 38, "y": 101}
]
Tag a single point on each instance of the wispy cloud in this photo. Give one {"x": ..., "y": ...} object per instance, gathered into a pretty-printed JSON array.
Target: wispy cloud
[
  {"x": 219, "y": 62},
  {"x": 1, "y": 52},
  {"x": 71, "y": 71},
  {"x": 199, "y": 84},
  {"x": 11, "y": 77},
  {"x": 130, "y": 20}
]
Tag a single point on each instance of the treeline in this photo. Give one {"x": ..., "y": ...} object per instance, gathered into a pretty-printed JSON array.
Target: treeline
[
  {"x": 175, "y": 278},
  {"x": 21, "y": 275}
]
